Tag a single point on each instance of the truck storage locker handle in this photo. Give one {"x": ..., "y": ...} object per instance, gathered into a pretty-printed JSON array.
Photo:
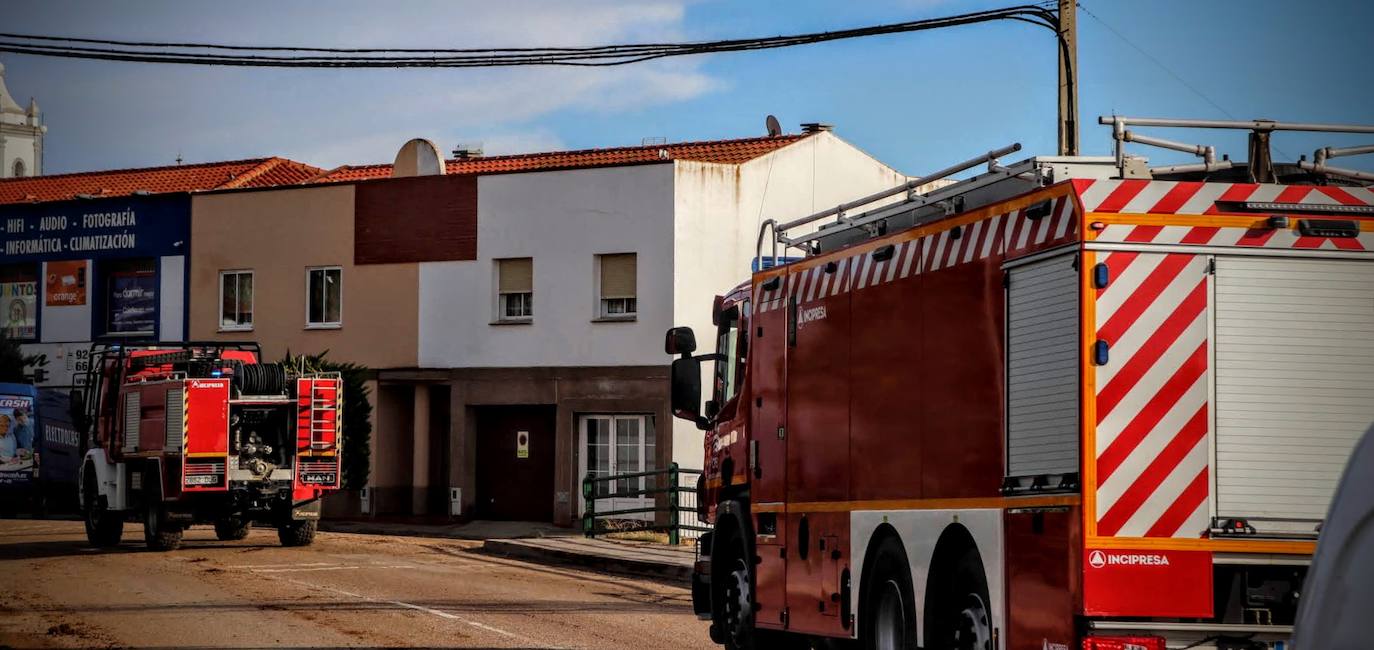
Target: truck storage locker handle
[{"x": 1101, "y": 350}]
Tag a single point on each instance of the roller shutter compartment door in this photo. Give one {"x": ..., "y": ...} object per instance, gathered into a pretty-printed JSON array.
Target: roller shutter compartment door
[
  {"x": 1042, "y": 368},
  {"x": 1294, "y": 382}
]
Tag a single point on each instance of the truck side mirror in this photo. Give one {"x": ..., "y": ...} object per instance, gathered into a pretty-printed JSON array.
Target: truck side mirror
[
  {"x": 685, "y": 391},
  {"x": 680, "y": 340}
]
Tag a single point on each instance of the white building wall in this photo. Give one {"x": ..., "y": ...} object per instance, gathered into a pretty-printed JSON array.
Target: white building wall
[
  {"x": 172, "y": 298},
  {"x": 719, "y": 209},
  {"x": 562, "y": 220}
]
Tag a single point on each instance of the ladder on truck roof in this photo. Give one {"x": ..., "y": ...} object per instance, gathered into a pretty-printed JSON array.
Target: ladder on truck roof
[{"x": 924, "y": 203}]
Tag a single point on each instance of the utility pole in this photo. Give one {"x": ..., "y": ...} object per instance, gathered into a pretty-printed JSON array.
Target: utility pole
[{"x": 1068, "y": 78}]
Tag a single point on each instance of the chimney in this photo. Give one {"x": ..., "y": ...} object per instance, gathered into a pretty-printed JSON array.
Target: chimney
[
  {"x": 816, "y": 127},
  {"x": 467, "y": 150}
]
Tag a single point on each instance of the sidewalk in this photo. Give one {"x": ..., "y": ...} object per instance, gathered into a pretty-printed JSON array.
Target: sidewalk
[
  {"x": 542, "y": 543},
  {"x": 639, "y": 559},
  {"x": 473, "y": 530}
]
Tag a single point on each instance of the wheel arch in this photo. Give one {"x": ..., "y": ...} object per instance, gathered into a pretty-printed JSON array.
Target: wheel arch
[
  {"x": 107, "y": 478},
  {"x": 921, "y": 532}
]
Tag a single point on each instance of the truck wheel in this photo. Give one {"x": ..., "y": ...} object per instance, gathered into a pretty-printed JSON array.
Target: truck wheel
[
  {"x": 964, "y": 619},
  {"x": 230, "y": 530},
  {"x": 160, "y": 534},
  {"x": 887, "y": 613},
  {"x": 103, "y": 528},
  {"x": 297, "y": 533}
]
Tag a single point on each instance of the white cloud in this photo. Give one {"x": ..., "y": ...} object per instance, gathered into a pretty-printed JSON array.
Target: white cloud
[{"x": 132, "y": 114}]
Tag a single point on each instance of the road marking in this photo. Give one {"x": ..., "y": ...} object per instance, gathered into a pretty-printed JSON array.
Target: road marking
[
  {"x": 335, "y": 568},
  {"x": 280, "y": 566},
  {"x": 429, "y": 610}
]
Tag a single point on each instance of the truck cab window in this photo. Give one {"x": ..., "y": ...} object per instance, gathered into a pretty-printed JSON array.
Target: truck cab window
[{"x": 729, "y": 365}]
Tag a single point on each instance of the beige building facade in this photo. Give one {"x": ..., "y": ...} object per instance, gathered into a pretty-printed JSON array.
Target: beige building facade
[{"x": 278, "y": 238}]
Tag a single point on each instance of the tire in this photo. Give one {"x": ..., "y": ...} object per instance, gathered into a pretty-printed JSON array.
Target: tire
[
  {"x": 297, "y": 533},
  {"x": 103, "y": 528},
  {"x": 231, "y": 530},
  {"x": 963, "y": 620},
  {"x": 158, "y": 533},
  {"x": 887, "y": 604}
]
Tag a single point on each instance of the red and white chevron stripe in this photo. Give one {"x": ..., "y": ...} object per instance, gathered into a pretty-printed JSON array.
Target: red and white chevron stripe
[
  {"x": 1011, "y": 234},
  {"x": 1180, "y": 197},
  {"x": 1152, "y": 408}
]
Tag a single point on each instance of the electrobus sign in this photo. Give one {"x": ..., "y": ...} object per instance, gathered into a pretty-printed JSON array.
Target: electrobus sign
[{"x": 136, "y": 226}]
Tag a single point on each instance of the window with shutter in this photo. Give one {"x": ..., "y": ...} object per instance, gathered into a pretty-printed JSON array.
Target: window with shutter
[
  {"x": 618, "y": 285},
  {"x": 515, "y": 289}
]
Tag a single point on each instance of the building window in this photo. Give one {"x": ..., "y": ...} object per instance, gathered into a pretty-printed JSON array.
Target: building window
[
  {"x": 131, "y": 297},
  {"x": 514, "y": 289},
  {"x": 235, "y": 300},
  {"x": 616, "y": 286},
  {"x": 324, "y": 297},
  {"x": 19, "y": 168},
  {"x": 19, "y": 301}
]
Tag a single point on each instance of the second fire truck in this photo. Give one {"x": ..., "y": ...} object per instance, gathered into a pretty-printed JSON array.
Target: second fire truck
[
  {"x": 1067, "y": 403},
  {"x": 204, "y": 433}
]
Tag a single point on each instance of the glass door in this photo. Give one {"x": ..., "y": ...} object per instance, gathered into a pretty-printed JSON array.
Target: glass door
[{"x": 619, "y": 444}]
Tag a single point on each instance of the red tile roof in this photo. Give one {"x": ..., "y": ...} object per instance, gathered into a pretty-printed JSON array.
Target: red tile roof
[
  {"x": 255, "y": 172},
  {"x": 715, "y": 151}
]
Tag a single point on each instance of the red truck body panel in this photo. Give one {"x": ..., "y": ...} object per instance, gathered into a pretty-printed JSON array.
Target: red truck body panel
[{"x": 877, "y": 381}]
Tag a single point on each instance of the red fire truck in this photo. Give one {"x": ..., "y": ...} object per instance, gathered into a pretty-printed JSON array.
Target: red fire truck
[
  {"x": 1069, "y": 402},
  {"x": 203, "y": 433}
]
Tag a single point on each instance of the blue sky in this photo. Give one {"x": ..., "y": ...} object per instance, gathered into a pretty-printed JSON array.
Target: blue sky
[{"x": 916, "y": 101}]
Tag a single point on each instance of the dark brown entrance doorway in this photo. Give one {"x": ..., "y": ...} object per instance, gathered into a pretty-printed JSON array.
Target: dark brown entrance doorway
[{"x": 515, "y": 462}]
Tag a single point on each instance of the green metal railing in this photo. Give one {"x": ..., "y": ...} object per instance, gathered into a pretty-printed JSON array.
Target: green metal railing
[{"x": 669, "y": 498}]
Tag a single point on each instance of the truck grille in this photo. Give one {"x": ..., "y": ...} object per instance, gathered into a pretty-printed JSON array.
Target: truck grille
[
  {"x": 204, "y": 474},
  {"x": 318, "y": 472}
]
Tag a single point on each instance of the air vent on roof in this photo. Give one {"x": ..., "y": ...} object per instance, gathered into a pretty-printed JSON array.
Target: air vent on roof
[
  {"x": 468, "y": 150},
  {"x": 816, "y": 127},
  {"x": 419, "y": 157}
]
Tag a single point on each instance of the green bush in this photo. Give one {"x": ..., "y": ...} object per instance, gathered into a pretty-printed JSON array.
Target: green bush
[{"x": 357, "y": 413}]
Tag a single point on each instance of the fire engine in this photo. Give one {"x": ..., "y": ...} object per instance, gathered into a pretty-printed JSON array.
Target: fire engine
[
  {"x": 1067, "y": 402},
  {"x": 204, "y": 433}
]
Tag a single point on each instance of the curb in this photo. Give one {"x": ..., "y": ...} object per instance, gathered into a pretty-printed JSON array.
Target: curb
[{"x": 617, "y": 565}]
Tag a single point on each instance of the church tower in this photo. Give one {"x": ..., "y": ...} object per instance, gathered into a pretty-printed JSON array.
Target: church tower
[{"x": 21, "y": 135}]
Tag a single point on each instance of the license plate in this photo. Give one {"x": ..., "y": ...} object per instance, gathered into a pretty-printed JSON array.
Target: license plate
[
  {"x": 202, "y": 479},
  {"x": 318, "y": 477}
]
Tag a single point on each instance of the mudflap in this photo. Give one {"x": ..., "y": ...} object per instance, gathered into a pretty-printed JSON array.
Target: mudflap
[
  {"x": 305, "y": 510},
  {"x": 701, "y": 578}
]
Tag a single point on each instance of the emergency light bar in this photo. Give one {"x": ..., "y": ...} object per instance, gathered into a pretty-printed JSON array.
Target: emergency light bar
[{"x": 1265, "y": 206}]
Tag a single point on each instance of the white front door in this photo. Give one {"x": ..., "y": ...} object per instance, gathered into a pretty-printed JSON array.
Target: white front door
[{"x": 618, "y": 444}]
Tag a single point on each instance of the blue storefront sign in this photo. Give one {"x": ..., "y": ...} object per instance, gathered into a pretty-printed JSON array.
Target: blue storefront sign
[
  {"x": 96, "y": 269},
  {"x": 134, "y": 226}
]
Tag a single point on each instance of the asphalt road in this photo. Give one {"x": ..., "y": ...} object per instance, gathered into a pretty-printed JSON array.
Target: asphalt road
[{"x": 344, "y": 591}]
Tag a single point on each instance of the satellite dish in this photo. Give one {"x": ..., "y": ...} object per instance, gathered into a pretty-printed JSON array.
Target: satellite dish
[
  {"x": 774, "y": 129},
  {"x": 419, "y": 157}
]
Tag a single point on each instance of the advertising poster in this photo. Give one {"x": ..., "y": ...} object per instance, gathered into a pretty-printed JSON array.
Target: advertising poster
[
  {"x": 133, "y": 303},
  {"x": 20, "y": 304},
  {"x": 65, "y": 284},
  {"x": 16, "y": 439}
]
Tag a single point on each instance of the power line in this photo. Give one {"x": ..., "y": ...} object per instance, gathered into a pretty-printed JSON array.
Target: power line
[
  {"x": 1159, "y": 63},
  {"x": 596, "y": 56}
]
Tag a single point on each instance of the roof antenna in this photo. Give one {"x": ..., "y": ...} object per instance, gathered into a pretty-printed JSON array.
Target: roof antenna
[{"x": 178, "y": 156}]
